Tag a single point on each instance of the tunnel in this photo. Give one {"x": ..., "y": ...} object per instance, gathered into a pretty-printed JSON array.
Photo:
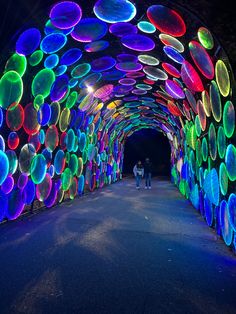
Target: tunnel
[{"x": 79, "y": 83}]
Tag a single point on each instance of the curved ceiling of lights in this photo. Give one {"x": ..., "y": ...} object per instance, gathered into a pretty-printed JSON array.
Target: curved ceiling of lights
[{"x": 76, "y": 88}]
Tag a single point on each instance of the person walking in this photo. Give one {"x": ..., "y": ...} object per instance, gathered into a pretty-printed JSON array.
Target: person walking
[
  {"x": 147, "y": 173},
  {"x": 138, "y": 171}
]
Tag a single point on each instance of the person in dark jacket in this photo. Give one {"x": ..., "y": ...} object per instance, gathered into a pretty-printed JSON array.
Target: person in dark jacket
[{"x": 147, "y": 173}]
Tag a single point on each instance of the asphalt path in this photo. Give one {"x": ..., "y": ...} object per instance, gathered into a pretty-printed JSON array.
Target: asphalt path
[{"x": 117, "y": 250}]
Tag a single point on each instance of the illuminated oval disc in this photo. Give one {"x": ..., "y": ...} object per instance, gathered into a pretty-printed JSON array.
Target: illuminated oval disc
[
  {"x": 223, "y": 179},
  {"x": 122, "y": 29},
  {"x": 170, "y": 69},
  {"x": 222, "y": 78},
  {"x": 212, "y": 141},
  {"x": 172, "y": 42},
  {"x": 113, "y": 11},
  {"x": 28, "y": 41},
  {"x": 138, "y": 42},
  {"x": 215, "y": 101},
  {"x": 205, "y": 38},
  {"x": 38, "y": 168},
  {"x": 201, "y": 59},
  {"x": 230, "y": 161},
  {"x": 221, "y": 142},
  {"x": 146, "y": 27},
  {"x": 11, "y": 89},
  {"x": 229, "y": 119},
  {"x": 226, "y": 228},
  {"x": 174, "y": 90},
  {"x": 155, "y": 73},
  {"x": 65, "y": 14},
  {"x": 166, "y": 20},
  {"x": 191, "y": 78},
  {"x": 89, "y": 29}
]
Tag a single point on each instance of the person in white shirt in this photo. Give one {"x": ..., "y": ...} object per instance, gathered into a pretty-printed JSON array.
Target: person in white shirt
[{"x": 138, "y": 171}]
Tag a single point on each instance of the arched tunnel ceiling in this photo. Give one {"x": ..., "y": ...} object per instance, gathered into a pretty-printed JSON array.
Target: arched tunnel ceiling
[{"x": 81, "y": 82}]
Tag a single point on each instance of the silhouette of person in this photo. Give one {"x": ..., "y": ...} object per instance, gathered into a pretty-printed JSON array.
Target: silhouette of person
[
  {"x": 147, "y": 173},
  {"x": 138, "y": 171}
]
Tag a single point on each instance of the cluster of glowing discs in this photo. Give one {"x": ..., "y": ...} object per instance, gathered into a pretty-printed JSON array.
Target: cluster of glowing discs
[{"x": 73, "y": 91}]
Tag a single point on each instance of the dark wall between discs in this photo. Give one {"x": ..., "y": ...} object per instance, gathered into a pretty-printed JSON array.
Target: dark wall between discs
[{"x": 148, "y": 143}]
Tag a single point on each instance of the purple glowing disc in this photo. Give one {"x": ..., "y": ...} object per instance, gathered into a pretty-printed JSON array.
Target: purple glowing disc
[
  {"x": 174, "y": 90},
  {"x": 89, "y": 29},
  {"x": 127, "y": 81},
  {"x": 138, "y": 42},
  {"x": 65, "y": 14},
  {"x": 122, "y": 29},
  {"x": 103, "y": 64},
  {"x": 126, "y": 57}
]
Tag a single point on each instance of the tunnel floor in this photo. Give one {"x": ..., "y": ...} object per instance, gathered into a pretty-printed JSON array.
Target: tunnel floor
[{"x": 117, "y": 250}]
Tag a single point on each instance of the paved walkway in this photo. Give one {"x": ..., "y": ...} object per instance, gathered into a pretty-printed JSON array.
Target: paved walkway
[{"x": 116, "y": 251}]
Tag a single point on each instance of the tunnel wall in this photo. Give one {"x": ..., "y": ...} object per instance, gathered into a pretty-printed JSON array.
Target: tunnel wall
[{"x": 73, "y": 90}]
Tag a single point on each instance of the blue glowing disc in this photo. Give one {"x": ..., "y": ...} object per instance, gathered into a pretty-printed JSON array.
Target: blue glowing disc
[
  {"x": 53, "y": 43},
  {"x": 113, "y": 11},
  {"x": 71, "y": 56},
  {"x": 28, "y": 42},
  {"x": 89, "y": 29},
  {"x": 103, "y": 64}
]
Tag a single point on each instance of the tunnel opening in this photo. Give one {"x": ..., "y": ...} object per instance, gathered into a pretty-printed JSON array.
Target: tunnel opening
[{"x": 148, "y": 143}]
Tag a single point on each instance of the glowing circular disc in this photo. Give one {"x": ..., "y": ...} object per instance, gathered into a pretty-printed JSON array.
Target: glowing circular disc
[
  {"x": 205, "y": 38},
  {"x": 95, "y": 46},
  {"x": 4, "y": 166},
  {"x": 103, "y": 64},
  {"x": 113, "y": 11},
  {"x": 174, "y": 90},
  {"x": 229, "y": 119},
  {"x": 138, "y": 42},
  {"x": 11, "y": 89},
  {"x": 15, "y": 116},
  {"x": 215, "y": 101},
  {"x": 71, "y": 56},
  {"x": 122, "y": 29},
  {"x": 172, "y": 42},
  {"x": 170, "y": 69},
  {"x": 155, "y": 73},
  {"x": 191, "y": 78},
  {"x": 223, "y": 179},
  {"x": 53, "y": 43},
  {"x": 226, "y": 228},
  {"x": 27, "y": 153},
  {"x": 221, "y": 142},
  {"x": 65, "y": 14},
  {"x": 230, "y": 161},
  {"x": 28, "y": 42},
  {"x": 166, "y": 20},
  {"x": 146, "y": 27},
  {"x": 201, "y": 59},
  {"x": 173, "y": 54},
  {"x": 89, "y": 29},
  {"x": 38, "y": 168},
  {"x": 222, "y": 78},
  {"x": 212, "y": 141}
]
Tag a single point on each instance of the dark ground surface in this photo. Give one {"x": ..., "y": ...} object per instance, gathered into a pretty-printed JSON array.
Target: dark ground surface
[{"x": 117, "y": 250}]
